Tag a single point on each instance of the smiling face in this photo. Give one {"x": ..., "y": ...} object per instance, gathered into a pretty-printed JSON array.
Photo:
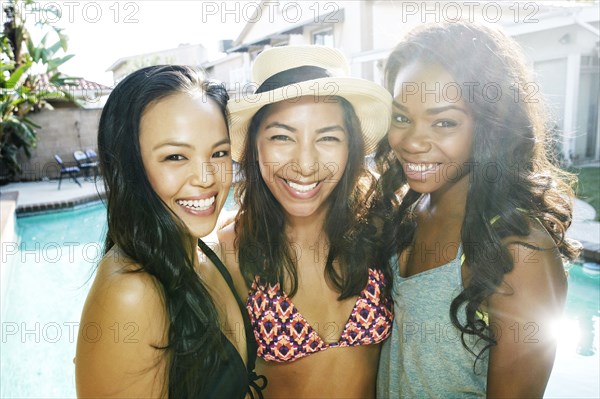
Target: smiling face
[
  {"x": 185, "y": 150},
  {"x": 432, "y": 129},
  {"x": 302, "y": 153}
]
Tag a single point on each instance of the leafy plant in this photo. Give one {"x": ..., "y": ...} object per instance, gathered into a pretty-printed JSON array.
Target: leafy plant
[
  {"x": 588, "y": 188},
  {"x": 24, "y": 67}
]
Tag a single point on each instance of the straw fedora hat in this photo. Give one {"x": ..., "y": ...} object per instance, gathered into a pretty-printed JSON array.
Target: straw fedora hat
[{"x": 287, "y": 73}]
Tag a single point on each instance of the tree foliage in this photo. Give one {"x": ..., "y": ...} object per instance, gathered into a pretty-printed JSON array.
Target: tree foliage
[{"x": 29, "y": 76}]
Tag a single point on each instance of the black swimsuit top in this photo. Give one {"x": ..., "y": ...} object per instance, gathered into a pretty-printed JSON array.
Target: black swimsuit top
[{"x": 232, "y": 379}]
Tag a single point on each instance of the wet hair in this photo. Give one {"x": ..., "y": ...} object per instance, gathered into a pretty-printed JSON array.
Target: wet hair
[
  {"x": 149, "y": 233},
  {"x": 264, "y": 250},
  {"x": 509, "y": 138}
]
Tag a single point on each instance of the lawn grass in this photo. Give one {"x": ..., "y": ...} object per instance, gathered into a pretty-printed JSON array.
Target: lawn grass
[{"x": 588, "y": 188}]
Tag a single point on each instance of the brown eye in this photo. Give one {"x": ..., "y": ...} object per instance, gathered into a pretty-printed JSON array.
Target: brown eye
[
  {"x": 330, "y": 138},
  {"x": 446, "y": 124},
  {"x": 400, "y": 119},
  {"x": 174, "y": 157},
  {"x": 280, "y": 137},
  {"x": 220, "y": 154}
]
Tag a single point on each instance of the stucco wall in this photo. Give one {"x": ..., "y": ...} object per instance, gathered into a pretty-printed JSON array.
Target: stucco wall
[{"x": 62, "y": 131}]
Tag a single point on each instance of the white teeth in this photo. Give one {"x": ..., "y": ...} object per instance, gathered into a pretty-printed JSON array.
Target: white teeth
[
  {"x": 301, "y": 187},
  {"x": 198, "y": 205},
  {"x": 421, "y": 167}
]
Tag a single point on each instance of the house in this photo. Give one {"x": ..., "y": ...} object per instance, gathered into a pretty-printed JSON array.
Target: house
[
  {"x": 184, "y": 54},
  {"x": 563, "y": 48},
  {"x": 560, "y": 40},
  {"x": 82, "y": 93}
]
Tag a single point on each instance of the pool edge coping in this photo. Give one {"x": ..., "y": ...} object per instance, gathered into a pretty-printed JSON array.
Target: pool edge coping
[{"x": 70, "y": 203}]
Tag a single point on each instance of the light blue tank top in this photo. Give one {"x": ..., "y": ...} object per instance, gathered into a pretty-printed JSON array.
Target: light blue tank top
[{"x": 424, "y": 356}]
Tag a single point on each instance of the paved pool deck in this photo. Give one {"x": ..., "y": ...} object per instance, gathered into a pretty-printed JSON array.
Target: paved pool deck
[
  {"x": 42, "y": 196},
  {"x": 45, "y": 195}
]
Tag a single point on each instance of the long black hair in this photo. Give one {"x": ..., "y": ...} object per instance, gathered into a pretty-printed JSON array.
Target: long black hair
[
  {"x": 264, "y": 251},
  {"x": 512, "y": 178},
  {"x": 149, "y": 233}
]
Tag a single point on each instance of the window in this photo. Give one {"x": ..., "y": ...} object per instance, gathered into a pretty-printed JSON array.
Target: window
[{"x": 323, "y": 37}]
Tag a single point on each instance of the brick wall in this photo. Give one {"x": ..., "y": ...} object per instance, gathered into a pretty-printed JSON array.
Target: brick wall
[{"x": 62, "y": 131}]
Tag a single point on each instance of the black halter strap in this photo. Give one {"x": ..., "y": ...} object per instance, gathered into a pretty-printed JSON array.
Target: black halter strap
[{"x": 257, "y": 382}]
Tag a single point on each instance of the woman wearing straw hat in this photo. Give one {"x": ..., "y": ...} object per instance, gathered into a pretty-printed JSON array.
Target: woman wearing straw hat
[{"x": 300, "y": 250}]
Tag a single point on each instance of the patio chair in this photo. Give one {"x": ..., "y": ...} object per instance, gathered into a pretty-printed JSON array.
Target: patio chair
[
  {"x": 91, "y": 154},
  {"x": 86, "y": 164},
  {"x": 72, "y": 171}
]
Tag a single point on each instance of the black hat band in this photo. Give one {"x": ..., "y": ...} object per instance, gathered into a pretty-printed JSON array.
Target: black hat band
[{"x": 291, "y": 76}]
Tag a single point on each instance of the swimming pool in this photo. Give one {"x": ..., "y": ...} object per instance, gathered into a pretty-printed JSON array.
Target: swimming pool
[
  {"x": 48, "y": 282},
  {"x": 51, "y": 273}
]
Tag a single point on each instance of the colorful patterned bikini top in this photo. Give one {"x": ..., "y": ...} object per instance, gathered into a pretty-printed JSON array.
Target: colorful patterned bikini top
[{"x": 283, "y": 335}]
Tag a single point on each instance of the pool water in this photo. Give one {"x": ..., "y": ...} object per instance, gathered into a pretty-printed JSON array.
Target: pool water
[
  {"x": 48, "y": 283},
  {"x": 51, "y": 273},
  {"x": 576, "y": 372}
]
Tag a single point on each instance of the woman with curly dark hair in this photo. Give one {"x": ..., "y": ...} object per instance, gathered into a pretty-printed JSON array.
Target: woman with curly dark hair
[
  {"x": 301, "y": 246},
  {"x": 161, "y": 318},
  {"x": 474, "y": 219}
]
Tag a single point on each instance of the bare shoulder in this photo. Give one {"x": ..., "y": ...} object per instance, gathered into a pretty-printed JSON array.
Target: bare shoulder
[
  {"x": 121, "y": 287},
  {"x": 226, "y": 234},
  {"x": 535, "y": 255},
  {"x": 122, "y": 326},
  {"x": 538, "y": 274},
  {"x": 227, "y": 248},
  {"x": 226, "y": 218},
  {"x": 522, "y": 314}
]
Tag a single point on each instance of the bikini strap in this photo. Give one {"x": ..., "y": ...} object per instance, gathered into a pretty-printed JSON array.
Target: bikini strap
[
  {"x": 223, "y": 270},
  {"x": 258, "y": 382}
]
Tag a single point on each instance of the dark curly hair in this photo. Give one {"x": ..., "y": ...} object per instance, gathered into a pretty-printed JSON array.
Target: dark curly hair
[
  {"x": 159, "y": 244},
  {"x": 264, "y": 251},
  {"x": 509, "y": 135}
]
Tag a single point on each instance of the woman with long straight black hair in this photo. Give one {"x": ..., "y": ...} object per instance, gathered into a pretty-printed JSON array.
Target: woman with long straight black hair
[{"x": 161, "y": 319}]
